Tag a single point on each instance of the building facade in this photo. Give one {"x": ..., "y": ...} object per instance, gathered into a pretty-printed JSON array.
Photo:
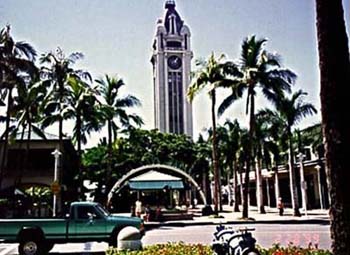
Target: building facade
[{"x": 171, "y": 60}]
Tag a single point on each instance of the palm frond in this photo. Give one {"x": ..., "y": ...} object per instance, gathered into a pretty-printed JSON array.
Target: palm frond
[
  {"x": 128, "y": 101},
  {"x": 39, "y": 132},
  {"x": 73, "y": 57},
  {"x": 24, "y": 48}
]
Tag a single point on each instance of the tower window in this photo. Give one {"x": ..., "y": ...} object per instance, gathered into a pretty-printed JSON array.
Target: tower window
[
  {"x": 161, "y": 41},
  {"x": 173, "y": 44}
]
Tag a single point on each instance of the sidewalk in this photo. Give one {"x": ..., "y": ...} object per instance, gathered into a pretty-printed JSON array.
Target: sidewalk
[{"x": 316, "y": 216}]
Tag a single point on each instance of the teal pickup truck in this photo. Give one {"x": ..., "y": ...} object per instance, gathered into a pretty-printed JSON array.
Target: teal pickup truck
[{"x": 86, "y": 221}]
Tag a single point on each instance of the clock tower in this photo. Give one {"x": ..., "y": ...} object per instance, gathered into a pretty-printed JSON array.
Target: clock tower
[{"x": 171, "y": 60}]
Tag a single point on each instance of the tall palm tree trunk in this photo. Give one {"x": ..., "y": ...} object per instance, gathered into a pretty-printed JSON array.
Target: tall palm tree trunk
[
  {"x": 26, "y": 157},
  {"x": 60, "y": 160},
  {"x": 6, "y": 140},
  {"x": 292, "y": 179},
  {"x": 249, "y": 155},
  {"x": 235, "y": 186},
  {"x": 259, "y": 186},
  {"x": 214, "y": 154},
  {"x": 20, "y": 160},
  {"x": 335, "y": 78},
  {"x": 109, "y": 161},
  {"x": 277, "y": 185},
  {"x": 80, "y": 170}
]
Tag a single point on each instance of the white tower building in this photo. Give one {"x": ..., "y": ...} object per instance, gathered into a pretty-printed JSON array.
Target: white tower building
[{"x": 171, "y": 62}]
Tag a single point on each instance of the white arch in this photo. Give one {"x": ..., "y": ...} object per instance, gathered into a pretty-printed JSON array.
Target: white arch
[{"x": 119, "y": 184}]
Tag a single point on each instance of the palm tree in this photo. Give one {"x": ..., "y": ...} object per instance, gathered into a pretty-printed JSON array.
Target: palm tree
[
  {"x": 16, "y": 64},
  {"x": 232, "y": 149},
  {"x": 257, "y": 68},
  {"x": 81, "y": 104},
  {"x": 269, "y": 144},
  {"x": 261, "y": 144},
  {"x": 114, "y": 108},
  {"x": 200, "y": 165},
  {"x": 27, "y": 115},
  {"x": 56, "y": 71},
  {"x": 210, "y": 76},
  {"x": 289, "y": 112},
  {"x": 242, "y": 155},
  {"x": 335, "y": 74}
]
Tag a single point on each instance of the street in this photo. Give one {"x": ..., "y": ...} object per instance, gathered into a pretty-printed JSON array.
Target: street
[{"x": 265, "y": 234}]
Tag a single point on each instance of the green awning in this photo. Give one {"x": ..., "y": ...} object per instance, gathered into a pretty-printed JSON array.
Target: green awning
[{"x": 155, "y": 185}]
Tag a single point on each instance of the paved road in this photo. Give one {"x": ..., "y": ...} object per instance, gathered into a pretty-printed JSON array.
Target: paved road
[{"x": 265, "y": 234}]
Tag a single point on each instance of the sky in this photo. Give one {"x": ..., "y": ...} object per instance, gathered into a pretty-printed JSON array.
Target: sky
[{"x": 116, "y": 37}]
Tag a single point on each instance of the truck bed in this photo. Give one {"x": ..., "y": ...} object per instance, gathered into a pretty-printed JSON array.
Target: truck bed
[{"x": 53, "y": 228}]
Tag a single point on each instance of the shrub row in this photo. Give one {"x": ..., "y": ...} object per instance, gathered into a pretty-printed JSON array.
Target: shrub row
[{"x": 200, "y": 249}]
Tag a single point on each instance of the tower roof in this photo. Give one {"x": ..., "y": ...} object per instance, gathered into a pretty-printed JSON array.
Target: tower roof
[
  {"x": 170, "y": 4},
  {"x": 172, "y": 21}
]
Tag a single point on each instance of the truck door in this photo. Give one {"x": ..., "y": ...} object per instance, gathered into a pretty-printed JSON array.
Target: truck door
[{"x": 89, "y": 224}]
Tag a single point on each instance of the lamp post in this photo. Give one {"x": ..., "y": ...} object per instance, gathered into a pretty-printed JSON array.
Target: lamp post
[
  {"x": 303, "y": 183},
  {"x": 56, "y": 154}
]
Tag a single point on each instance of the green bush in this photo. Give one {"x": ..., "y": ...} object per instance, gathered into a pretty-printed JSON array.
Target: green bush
[{"x": 200, "y": 249}]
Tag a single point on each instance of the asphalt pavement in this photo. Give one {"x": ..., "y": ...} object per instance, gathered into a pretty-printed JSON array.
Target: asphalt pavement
[{"x": 227, "y": 216}]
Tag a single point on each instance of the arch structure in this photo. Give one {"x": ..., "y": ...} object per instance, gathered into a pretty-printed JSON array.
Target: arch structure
[{"x": 120, "y": 183}]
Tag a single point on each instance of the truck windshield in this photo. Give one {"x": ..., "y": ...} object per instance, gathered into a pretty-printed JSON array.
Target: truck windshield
[{"x": 102, "y": 210}]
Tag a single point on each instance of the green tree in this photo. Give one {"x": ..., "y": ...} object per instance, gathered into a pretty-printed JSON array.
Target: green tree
[
  {"x": 81, "y": 107},
  {"x": 210, "y": 76},
  {"x": 113, "y": 108},
  {"x": 200, "y": 165},
  {"x": 334, "y": 62},
  {"x": 136, "y": 148},
  {"x": 265, "y": 147},
  {"x": 57, "y": 70},
  {"x": 256, "y": 69},
  {"x": 231, "y": 151},
  {"x": 27, "y": 115},
  {"x": 312, "y": 135},
  {"x": 16, "y": 64},
  {"x": 289, "y": 112}
]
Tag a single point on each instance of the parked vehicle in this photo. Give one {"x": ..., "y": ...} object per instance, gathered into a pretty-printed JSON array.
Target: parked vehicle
[
  {"x": 86, "y": 221},
  {"x": 229, "y": 241}
]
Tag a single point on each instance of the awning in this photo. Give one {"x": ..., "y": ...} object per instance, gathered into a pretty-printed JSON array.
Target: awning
[
  {"x": 155, "y": 185},
  {"x": 153, "y": 180}
]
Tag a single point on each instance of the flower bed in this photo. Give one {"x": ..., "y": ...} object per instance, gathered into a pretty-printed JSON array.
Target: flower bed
[
  {"x": 167, "y": 249},
  {"x": 200, "y": 249},
  {"x": 293, "y": 250}
]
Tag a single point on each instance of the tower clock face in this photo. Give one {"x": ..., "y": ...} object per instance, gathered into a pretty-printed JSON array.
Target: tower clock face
[{"x": 174, "y": 62}]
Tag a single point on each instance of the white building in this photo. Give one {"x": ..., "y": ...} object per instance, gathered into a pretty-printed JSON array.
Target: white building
[{"x": 171, "y": 62}]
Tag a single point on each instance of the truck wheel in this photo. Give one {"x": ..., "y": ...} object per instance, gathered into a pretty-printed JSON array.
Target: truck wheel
[
  {"x": 113, "y": 241},
  {"x": 29, "y": 247},
  {"x": 47, "y": 247}
]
